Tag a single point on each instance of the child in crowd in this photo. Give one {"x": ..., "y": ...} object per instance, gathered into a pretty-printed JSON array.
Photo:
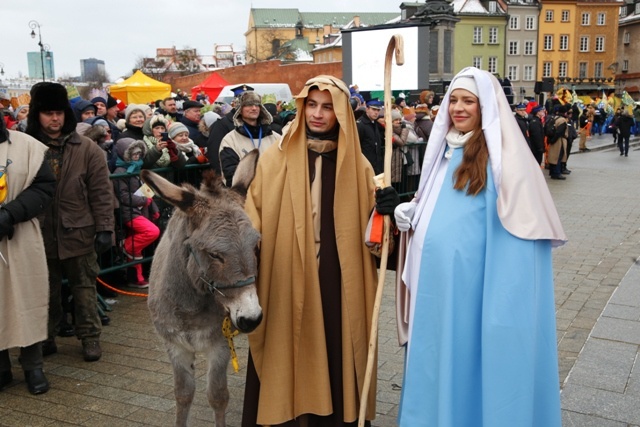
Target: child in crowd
[{"x": 136, "y": 209}]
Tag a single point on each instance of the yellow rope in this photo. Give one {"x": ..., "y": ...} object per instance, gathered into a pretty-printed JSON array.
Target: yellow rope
[{"x": 228, "y": 334}]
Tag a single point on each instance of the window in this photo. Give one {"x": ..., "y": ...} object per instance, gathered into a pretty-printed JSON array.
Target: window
[
  {"x": 477, "y": 35},
  {"x": 514, "y": 47},
  {"x": 493, "y": 64},
  {"x": 529, "y": 47},
  {"x": 565, "y": 16},
  {"x": 514, "y": 22},
  {"x": 546, "y": 69},
  {"x": 548, "y": 16},
  {"x": 637, "y": 10},
  {"x": 562, "y": 69},
  {"x": 626, "y": 38},
  {"x": 530, "y": 23},
  {"x": 512, "y": 72},
  {"x": 623, "y": 10},
  {"x": 586, "y": 18},
  {"x": 584, "y": 44},
  {"x": 599, "y": 43},
  {"x": 493, "y": 7},
  {"x": 527, "y": 73},
  {"x": 493, "y": 35},
  {"x": 602, "y": 18},
  {"x": 548, "y": 42},
  {"x": 477, "y": 62},
  {"x": 597, "y": 69},
  {"x": 582, "y": 70},
  {"x": 625, "y": 65},
  {"x": 564, "y": 42}
]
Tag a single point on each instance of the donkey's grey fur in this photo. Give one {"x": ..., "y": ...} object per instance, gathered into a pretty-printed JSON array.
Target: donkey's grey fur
[{"x": 209, "y": 239}]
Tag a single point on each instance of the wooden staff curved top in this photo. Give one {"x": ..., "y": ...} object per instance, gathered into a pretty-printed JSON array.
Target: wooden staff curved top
[{"x": 395, "y": 44}]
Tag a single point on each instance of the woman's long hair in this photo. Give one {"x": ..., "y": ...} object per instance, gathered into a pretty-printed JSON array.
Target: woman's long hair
[{"x": 472, "y": 172}]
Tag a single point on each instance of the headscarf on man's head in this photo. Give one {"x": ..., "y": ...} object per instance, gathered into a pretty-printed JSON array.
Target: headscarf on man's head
[
  {"x": 525, "y": 206},
  {"x": 342, "y": 108}
]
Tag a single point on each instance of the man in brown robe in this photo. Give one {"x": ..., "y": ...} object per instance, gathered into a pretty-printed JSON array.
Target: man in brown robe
[{"x": 311, "y": 200}]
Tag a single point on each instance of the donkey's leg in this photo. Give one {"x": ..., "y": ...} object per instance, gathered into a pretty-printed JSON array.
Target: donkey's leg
[
  {"x": 217, "y": 391},
  {"x": 184, "y": 383}
]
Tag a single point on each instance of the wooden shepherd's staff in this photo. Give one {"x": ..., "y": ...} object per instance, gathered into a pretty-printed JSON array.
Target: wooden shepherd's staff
[{"x": 396, "y": 43}]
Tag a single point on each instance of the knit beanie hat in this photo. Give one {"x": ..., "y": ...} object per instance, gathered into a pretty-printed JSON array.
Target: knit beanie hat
[
  {"x": 18, "y": 109},
  {"x": 99, "y": 99},
  {"x": 395, "y": 114},
  {"x": 210, "y": 118},
  {"x": 177, "y": 128},
  {"x": 131, "y": 108},
  {"x": 111, "y": 101}
]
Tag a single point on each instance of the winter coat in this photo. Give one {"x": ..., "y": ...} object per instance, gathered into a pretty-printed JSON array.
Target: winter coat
[
  {"x": 24, "y": 290},
  {"x": 423, "y": 126},
  {"x": 536, "y": 135},
  {"x": 625, "y": 123},
  {"x": 83, "y": 204},
  {"x": 562, "y": 129},
  {"x": 400, "y": 135},
  {"x": 131, "y": 205},
  {"x": 371, "y": 135},
  {"x": 217, "y": 132},
  {"x": 523, "y": 124}
]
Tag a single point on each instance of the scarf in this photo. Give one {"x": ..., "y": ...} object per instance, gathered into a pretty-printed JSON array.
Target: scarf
[
  {"x": 133, "y": 166},
  {"x": 455, "y": 140}
]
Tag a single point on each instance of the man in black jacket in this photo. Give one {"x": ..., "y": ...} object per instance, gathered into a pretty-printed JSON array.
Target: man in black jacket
[
  {"x": 27, "y": 191},
  {"x": 371, "y": 136},
  {"x": 536, "y": 133}
]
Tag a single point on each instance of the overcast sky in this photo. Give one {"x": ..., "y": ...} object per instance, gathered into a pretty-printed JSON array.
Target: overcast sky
[{"x": 119, "y": 32}]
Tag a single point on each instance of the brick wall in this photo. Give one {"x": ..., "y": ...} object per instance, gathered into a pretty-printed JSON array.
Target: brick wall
[{"x": 263, "y": 72}]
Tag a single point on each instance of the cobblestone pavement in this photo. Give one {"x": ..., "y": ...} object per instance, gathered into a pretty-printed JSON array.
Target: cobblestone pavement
[{"x": 132, "y": 384}]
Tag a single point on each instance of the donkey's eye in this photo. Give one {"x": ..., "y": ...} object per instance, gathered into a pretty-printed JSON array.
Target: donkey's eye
[{"x": 215, "y": 257}]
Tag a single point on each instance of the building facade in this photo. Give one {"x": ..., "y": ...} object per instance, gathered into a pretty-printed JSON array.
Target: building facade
[
  {"x": 270, "y": 30},
  {"x": 37, "y": 62},
  {"x": 92, "y": 69},
  {"x": 480, "y": 36},
  {"x": 627, "y": 66},
  {"x": 577, "y": 43},
  {"x": 522, "y": 47}
]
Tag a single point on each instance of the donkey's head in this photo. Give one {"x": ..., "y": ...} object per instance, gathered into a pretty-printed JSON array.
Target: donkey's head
[{"x": 214, "y": 239}]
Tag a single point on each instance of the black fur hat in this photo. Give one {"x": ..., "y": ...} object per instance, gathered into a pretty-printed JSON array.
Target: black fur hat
[{"x": 47, "y": 96}]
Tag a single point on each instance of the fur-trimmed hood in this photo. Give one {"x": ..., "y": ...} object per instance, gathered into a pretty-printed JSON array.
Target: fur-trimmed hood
[{"x": 126, "y": 146}]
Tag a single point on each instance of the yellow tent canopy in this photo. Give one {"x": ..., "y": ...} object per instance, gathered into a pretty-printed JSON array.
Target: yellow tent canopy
[{"x": 140, "y": 89}]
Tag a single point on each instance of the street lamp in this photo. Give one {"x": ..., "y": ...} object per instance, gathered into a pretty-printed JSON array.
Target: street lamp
[{"x": 43, "y": 47}]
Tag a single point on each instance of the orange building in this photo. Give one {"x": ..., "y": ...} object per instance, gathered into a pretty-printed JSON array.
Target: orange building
[{"x": 577, "y": 42}]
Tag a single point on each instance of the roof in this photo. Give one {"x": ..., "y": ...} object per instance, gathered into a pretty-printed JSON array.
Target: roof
[
  {"x": 472, "y": 7},
  {"x": 288, "y": 18},
  {"x": 298, "y": 49}
]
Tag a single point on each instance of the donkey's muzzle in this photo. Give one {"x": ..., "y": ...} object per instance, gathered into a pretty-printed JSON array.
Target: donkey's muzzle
[{"x": 248, "y": 324}]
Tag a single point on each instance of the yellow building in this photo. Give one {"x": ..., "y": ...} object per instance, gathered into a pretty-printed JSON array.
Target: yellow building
[
  {"x": 577, "y": 42},
  {"x": 289, "y": 34}
]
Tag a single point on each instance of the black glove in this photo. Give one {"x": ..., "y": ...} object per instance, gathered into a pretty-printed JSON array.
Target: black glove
[
  {"x": 102, "y": 242},
  {"x": 6, "y": 224},
  {"x": 386, "y": 200}
]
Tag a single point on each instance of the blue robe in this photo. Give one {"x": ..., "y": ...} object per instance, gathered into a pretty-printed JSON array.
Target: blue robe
[{"x": 483, "y": 348}]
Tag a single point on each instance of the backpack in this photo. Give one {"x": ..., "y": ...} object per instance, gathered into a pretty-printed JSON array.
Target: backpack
[{"x": 550, "y": 127}]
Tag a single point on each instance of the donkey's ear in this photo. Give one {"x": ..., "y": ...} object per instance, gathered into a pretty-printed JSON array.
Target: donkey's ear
[
  {"x": 181, "y": 197},
  {"x": 245, "y": 172}
]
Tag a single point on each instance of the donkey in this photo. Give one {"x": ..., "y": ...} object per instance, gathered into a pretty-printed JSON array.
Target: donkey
[{"x": 204, "y": 269}]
